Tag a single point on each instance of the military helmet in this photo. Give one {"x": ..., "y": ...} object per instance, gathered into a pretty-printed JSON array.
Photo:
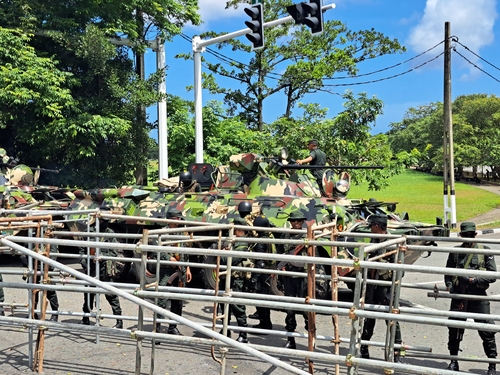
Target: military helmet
[
  {"x": 174, "y": 213},
  {"x": 261, "y": 221},
  {"x": 244, "y": 208},
  {"x": 467, "y": 226},
  {"x": 185, "y": 177},
  {"x": 296, "y": 215},
  {"x": 378, "y": 219}
]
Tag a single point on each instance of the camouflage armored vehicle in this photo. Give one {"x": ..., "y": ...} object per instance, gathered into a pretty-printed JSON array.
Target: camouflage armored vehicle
[{"x": 273, "y": 187}]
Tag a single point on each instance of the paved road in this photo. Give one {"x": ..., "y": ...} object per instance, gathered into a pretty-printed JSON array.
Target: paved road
[{"x": 79, "y": 354}]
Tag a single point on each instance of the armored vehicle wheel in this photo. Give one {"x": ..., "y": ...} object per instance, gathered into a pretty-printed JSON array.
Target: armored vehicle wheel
[
  {"x": 276, "y": 285},
  {"x": 208, "y": 274}
]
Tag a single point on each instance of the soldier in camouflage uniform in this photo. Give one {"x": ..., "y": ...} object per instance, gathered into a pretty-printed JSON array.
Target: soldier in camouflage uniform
[
  {"x": 167, "y": 272},
  {"x": 238, "y": 279},
  {"x": 107, "y": 272},
  {"x": 473, "y": 286},
  {"x": 378, "y": 294},
  {"x": 294, "y": 286},
  {"x": 261, "y": 280}
]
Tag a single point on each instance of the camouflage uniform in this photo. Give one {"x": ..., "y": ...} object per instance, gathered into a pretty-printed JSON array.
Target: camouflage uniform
[
  {"x": 294, "y": 286},
  {"x": 478, "y": 288},
  {"x": 106, "y": 268},
  {"x": 261, "y": 281},
  {"x": 238, "y": 279},
  {"x": 378, "y": 294},
  {"x": 166, "y": 271}
]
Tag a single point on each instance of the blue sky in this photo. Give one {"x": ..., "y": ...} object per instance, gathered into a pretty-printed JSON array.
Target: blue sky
[{"x": 417, "y": 24}]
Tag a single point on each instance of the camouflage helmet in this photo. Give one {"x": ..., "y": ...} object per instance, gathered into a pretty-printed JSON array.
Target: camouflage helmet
[
  {"x": 296, "y": 215},
  {"x": 21, "y": 175}
]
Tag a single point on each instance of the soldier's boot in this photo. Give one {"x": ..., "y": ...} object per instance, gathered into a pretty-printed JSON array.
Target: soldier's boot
[
  {"x": 119, "y": 324},
  {"x": 364, "y": 352},
  {"x": 172, "y": 330},
  {"x": 158, "y": 327},
  {"x": 228, "y": 333},
  {"x": 2, "y": 313},
  {"x": 290, "y": 344},
  {"x": 54, "y": 318},
  {"x": 453, "y": 366},
  {"x": 492, "y": 369},
  {"x": 242, "y": 338},
  {"x": 85, "y": 320},
  {"x": 255, "y": 315},
  {"x": 397, "y": 357}
]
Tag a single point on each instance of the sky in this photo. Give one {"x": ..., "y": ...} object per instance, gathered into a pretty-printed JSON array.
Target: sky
[{"x": 416, "y": 24}]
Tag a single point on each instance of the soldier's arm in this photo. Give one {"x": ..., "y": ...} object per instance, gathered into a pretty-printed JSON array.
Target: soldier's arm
[
  {"x": 490, "y": 265},
  {"x": 450, "y": 263}
]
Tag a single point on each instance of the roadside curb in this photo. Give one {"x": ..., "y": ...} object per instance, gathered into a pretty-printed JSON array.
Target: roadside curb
[{"x": 479, "y": 232}]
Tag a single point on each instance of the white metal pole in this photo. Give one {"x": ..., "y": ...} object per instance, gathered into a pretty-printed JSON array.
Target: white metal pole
[
  {"x": 198, "y": 107},
  {"x": 162, "y": 111}
]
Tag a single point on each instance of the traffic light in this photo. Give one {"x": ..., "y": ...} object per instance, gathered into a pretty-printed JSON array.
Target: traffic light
[
  {"x": 256, "y": 13},
  {"x": 309, "y": 14}
]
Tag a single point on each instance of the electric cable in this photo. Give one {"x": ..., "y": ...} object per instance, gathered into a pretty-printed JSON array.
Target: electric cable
[
  {"x": 475, "y": 54},
  {"x": 475, "y": 66}
]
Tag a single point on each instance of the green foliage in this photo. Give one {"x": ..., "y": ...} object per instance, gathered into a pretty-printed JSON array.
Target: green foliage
[
  {"x": 421, "y": 195},
  {"x": 303, "y": 61},
  {"x": 476, "y": 120},
  {"x": 74, "y": 100}
]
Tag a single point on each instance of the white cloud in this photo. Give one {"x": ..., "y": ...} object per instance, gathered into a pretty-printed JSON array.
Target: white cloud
[
  {"x": 471, "y": 21},
  {"x": 215, "y": 10}
]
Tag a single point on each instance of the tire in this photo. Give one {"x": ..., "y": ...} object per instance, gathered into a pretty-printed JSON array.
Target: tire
[
  {"x": 208, "y": 274},
  {"x": 276, "y": 286}
]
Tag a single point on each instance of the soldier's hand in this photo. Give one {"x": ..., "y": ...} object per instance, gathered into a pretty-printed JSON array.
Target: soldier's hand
[{"x": 189, "y": 276}]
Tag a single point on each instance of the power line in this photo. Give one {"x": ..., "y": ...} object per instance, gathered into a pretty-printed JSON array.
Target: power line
[
  {"x": 475, "y": 66},
  {"x": 385, "y": 78},
  {"x": 455, "y": 39},
  {"x": 389, "y": 67}
]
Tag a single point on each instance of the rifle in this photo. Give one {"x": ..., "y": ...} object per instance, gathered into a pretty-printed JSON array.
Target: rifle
[{"x": 295, "y": 251}]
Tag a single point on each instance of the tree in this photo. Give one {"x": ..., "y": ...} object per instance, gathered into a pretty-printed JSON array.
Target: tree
[
  {"x": 475, "y": 129},
  {"x": 306, "y": 61},
  {"x": 101, "y": 137}
]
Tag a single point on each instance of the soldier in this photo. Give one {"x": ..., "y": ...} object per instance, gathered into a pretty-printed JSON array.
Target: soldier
[
  {"x": 260, "y": 280},
  {"x": 187, "y": 185},
  {"x": 107, "y": 272},
  {"x": 167, "y": 277},
  {"x": 378, "y": 294},
  {"x": 294, "y": 286},
  {"x": 316, "y": 157},
  {"x": 238, "y": 279},
  {"x": 473, "y": 286}
]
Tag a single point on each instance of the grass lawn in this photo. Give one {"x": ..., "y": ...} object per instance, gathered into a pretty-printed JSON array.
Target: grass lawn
[{"x": 421, "y": 195}]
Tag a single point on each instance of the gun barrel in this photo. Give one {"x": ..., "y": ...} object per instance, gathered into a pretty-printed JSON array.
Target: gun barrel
[{"x": 296, "y": 166}]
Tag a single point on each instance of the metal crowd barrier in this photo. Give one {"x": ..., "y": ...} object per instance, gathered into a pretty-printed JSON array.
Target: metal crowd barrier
[{"x": 140, "y": 293}]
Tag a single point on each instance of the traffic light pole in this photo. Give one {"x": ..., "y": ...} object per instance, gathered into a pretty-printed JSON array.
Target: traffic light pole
[{"x": 199, "y": 47}]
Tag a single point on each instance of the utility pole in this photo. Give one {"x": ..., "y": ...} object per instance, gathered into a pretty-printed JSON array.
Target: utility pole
[{"x": 448, "y": 161}]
